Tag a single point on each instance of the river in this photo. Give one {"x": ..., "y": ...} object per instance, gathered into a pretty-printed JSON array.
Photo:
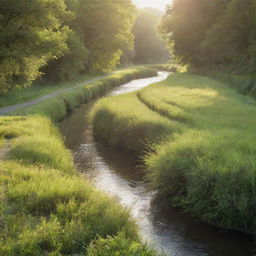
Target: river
[{"x": 114, "y": 171}]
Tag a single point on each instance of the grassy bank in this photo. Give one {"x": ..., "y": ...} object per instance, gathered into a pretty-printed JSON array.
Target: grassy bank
[
  {"x": 46, "y": 208},
  {"x": 18, "y": 95},
  {"x": 57, "y": 107},
  {"x": 196, "y": 137}
]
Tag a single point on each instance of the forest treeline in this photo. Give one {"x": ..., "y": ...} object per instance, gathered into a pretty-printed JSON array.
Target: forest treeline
[
  {"x": 217, "y": 34},
  {"x": 63, "y": 38}
]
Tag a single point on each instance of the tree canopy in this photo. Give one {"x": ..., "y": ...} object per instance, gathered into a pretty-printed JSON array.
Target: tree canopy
[
  {"x": 31, "y": 34},
  {"x": 62, "y": 38},
  {"x": 219, "y": 33}
]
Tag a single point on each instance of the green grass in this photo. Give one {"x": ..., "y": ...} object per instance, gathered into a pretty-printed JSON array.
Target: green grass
[
  {"x": 199, "y": 145},
  {"x": 46, "y": 207},
  {"x": 36, "y": 140},
  {"x": 18, "y": 95},
  {"x": 46, "y": 212},
  {"x": 118, "y": 245},
  {"x": 243, "y": 83},
  {"x": 57, "y": 107}
]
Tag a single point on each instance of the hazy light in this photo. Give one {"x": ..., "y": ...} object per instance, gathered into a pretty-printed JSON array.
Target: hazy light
[{"x": 160, "y": 4}]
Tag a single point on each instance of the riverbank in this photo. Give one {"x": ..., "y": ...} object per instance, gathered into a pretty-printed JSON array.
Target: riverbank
[
  {"x": 196, "y": 138},
  {"x": 45, "y": 206},
  {"x": 19, "y": 95},
  {"x": 64, "y": 100}
]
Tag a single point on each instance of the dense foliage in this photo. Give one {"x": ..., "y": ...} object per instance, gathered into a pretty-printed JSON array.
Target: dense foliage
[
  {"x": 213, "y": 33},
  {"x": 61, "y": 38},
  {"x": 31, "y": 34}
]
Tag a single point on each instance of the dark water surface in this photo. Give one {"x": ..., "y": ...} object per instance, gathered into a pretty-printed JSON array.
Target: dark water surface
[{"x": 114, "y": 172}]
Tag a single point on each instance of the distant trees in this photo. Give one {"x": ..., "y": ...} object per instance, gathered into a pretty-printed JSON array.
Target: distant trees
[
  {"x": 61, "y": 38},
  {"x": 148, "y": 44},
  {"x": 214, "y": 33}
]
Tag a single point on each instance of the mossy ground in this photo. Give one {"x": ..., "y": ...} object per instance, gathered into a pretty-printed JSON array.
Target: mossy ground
[{"x": 197, "y": 138}]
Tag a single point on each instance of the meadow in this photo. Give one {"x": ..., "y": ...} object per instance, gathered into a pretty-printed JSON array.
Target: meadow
[
  {"x": 196, "y": 138},
  {"x": 46, "y": 207}
]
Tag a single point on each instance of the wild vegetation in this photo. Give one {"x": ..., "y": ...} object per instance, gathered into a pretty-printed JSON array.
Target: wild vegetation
[
  {"x": 214, "y": 36},
  {"x": 54, "y": 41},
  {"x": 31, "y": 35},
  {"x": 19, "y": 95},
  {"x": 46, "y": 208},
  {"x": 195, "y": 136},
  {"x": 61, "y": 39},
  {"x": 57, "y": 107}
]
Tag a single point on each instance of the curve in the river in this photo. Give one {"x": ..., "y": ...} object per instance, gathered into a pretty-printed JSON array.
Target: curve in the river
[{"x": 114, "y": 172}]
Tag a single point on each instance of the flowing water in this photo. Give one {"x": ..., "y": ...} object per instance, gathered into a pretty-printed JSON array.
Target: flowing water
[{"x": 114, "y": 172}]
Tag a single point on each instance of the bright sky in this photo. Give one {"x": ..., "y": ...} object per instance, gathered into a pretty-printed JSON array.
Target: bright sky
[{"x": 160, "y": 4}]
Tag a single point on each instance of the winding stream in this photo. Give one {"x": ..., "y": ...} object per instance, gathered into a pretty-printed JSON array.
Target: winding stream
[{"x": 114, "y": 172}]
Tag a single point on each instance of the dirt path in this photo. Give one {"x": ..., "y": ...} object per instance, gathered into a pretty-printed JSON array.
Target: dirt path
[{"x": 9, "y": 109}]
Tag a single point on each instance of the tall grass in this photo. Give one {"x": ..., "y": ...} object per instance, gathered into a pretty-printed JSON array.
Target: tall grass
[
  {"x": 125, "y": 121},
  {"x": 205, "y": 160},
  {"x": 46, "y": 208},
  {"x": 57, "y": 107},
  {"x": 118, "y": 246},
  {"x": 243, "y": 83},
  {"x": 45, "y": 212},
  {"x": 18, "y": 95}
]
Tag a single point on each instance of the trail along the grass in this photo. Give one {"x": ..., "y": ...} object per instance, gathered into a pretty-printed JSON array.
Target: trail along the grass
[{"x": 7, "y": 110}]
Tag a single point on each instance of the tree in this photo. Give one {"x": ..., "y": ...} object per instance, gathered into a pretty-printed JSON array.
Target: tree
[
  {"x": 105, "y": 28},
  {"x": 31, "y": 34},
  {"x": 186, "y": 23},
  {"x": 231, "y": 42},
  {"x": 71, "y": 64},
  {"x": 101, "y": 32}
]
